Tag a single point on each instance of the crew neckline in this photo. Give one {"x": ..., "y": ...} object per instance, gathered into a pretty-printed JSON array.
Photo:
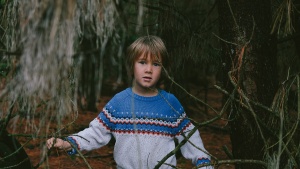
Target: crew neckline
[{"x": 140, "y": 97}]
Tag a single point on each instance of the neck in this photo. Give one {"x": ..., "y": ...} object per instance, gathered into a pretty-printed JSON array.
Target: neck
[{"x": 147, "y": 92}]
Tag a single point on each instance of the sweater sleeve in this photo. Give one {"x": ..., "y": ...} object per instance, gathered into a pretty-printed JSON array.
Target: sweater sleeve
[
  {"x": 93, "y": 137},
  {"x": 194, "y": 148}
]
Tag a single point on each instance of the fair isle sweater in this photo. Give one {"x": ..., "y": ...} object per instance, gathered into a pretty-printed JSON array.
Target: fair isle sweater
[{"x": 144, "y": 129}]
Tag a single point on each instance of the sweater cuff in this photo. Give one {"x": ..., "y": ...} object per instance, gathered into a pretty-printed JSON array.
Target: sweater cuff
[
  {"x": 202, "y": 161},
  {"x": 74, "y": 144}
]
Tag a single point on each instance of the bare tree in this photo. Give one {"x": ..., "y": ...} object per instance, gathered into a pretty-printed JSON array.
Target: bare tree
[
  {"x": 53, "y": 52},
  {"x": 257, "y": 119}
]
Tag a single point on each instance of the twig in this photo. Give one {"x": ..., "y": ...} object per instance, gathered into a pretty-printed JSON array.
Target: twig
[
  {"x": 80, "y": 154},
  {"x": 16, "y": 165},
  {"x": 177, "y": 148},
  {"x": 228, "y": 153},
  {"x": 16, "y": 151}
]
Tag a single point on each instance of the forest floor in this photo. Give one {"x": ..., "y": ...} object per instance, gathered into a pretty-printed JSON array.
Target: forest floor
[{"x": 215, "y": 137}]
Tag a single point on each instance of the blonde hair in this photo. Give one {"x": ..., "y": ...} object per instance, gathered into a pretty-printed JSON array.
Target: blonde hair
[{"x": 146, "y": 45}]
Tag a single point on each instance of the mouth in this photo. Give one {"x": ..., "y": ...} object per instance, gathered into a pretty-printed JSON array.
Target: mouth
[{"x": 147, "y": 78}]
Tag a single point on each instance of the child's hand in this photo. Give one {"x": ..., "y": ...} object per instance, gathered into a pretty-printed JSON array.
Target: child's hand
[{"x": 58, "y": 143}]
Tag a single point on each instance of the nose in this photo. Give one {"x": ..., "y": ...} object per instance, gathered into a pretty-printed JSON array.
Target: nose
[{"x": 149, "y": 68}]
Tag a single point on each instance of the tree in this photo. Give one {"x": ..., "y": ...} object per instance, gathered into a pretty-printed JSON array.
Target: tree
[
  {"x": 249, "y": 52},
  {"x": 36, "y": 65}
]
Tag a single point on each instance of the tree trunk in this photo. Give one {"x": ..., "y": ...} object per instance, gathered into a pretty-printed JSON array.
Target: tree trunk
[
  {"x": 87, "y": 88},
  {"x": 248, "y": 51}
]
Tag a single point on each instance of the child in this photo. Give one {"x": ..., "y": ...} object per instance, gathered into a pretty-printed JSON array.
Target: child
[{"x": 143, "y": 119}]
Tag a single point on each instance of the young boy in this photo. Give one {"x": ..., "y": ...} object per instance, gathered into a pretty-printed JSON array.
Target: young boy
[{"x": 143, "y": 119}]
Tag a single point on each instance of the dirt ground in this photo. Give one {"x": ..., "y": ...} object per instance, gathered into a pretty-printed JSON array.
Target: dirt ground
[{"x": 215, "y": 138}]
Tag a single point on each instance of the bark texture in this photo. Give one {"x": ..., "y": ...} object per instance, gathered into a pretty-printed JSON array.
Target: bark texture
[{"x": 248, "y": 51}]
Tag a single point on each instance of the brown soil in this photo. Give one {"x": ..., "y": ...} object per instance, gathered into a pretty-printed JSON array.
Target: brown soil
[{"x": 215, "y": 137}]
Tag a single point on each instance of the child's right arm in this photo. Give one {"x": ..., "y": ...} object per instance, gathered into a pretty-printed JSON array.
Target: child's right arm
[{"x": 95, "y": 136}]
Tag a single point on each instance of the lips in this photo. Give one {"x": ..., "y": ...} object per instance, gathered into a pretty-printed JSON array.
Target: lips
[{"x": 147, "y": 78}]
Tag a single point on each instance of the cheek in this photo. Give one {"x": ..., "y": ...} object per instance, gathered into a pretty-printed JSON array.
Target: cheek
[{"x": 159, "y": 72}]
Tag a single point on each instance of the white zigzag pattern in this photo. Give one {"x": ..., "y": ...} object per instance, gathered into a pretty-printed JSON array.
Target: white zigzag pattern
[{"x": 144, "y": 121}]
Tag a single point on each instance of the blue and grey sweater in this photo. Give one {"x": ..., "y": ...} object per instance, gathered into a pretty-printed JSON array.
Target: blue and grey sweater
[{"x": 144, "y": 129}]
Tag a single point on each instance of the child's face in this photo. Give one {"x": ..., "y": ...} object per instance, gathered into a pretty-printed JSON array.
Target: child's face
[{"x": 147, "y": 71}]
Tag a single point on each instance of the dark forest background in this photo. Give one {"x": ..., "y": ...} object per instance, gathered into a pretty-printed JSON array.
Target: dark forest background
[{"x": 63, "y": 55}]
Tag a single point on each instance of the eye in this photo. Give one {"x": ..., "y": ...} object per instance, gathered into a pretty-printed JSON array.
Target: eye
[
  {"x": 142, "y": 62},
  {"x": 156, "y": 64}
]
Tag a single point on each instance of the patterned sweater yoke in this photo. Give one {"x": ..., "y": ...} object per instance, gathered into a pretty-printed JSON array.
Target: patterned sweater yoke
[{"x": 130, "y": 113}]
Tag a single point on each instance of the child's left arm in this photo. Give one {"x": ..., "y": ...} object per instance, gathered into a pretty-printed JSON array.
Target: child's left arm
[{"x": 194, "y": 149}]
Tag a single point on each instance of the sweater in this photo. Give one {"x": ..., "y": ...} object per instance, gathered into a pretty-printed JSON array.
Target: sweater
[{"x": 144, "y": 129}]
